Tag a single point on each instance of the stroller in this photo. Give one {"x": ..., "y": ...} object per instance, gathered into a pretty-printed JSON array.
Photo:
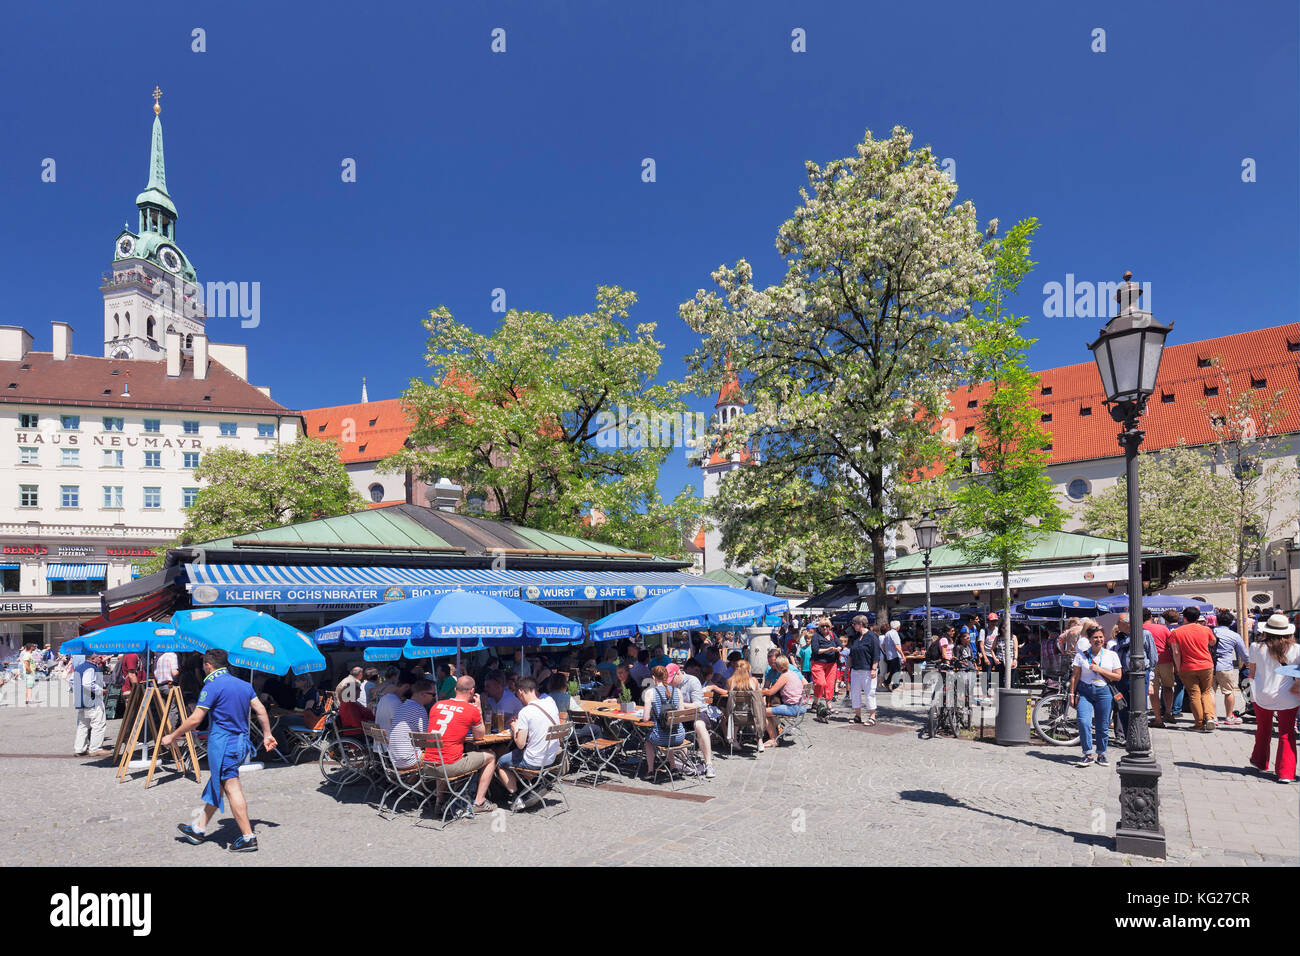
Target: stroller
[{"x": 1247, "y": 687}]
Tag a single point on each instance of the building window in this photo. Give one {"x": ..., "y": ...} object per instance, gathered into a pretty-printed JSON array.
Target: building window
[
  {"x": 113, "y": 457},
  {"x": 1047, "y": 390},
  {"x": 10, "y": 582},
  {"x": 112, "y": 496},
  {"x": 29, "y": 456},
  {"x": 1258, "y": 382},
  {"x": 191, "y": 459},
  {"x": 1045, "y": 417},
  {"x": 153, "y": 459},
  {"x": 153, "y": 425},
  {"x": 376, "y": 492},
  {"x": 1085, "y": 411},
  {"x": 152, "y": 497},
  {"x": 190, "y": 427},
  {"x": 1202, "y": 362},
  {"x": 70, "y": 423},
  {"x": 29, "y": 496},
  {"x": 1211, "y": 391},
  {"x": 188, "y": 497},
  {"x": 70, "y": 496},
  {"x": 70, "y": 457},
  {"x": 973, "y": 403},
  {"x": 1079, "y": 489},
  {"x": 229, "y": 429},
  {"x": 1166, "y": 398},
  {"x": 265, "y": 430},
  {"x": 29, "y": 420},
  {"x": 113, "y": 424},
  {"x": 92, "y": 586}
]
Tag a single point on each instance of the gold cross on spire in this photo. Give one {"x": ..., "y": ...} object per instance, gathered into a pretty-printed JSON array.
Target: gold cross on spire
[{"x": 156, "y": 108}]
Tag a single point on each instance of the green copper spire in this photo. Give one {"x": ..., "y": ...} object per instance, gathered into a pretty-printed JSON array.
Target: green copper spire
[{"x": 155, "y": 193}]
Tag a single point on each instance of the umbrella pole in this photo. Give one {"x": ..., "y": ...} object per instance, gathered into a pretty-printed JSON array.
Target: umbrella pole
[{"x": 143, "y": 762}]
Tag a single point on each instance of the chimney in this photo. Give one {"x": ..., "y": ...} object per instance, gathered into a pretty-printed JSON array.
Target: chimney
[
  {"x": 200, "y": 355},
  {"x": 62, "y": 341},
  {"x": 173, "y": 354},
  {"x": 364, "y": 399},
  {"x": 15, "y": 343},
  {"x": 445, "y": 495}
]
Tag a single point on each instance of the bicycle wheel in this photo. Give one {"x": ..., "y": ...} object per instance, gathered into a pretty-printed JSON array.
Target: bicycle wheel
[
  {"x": 1055, "y": 721},
  {"x": 932, "y": 722},
  {"x": 950, "y": 722},
  {"x": 341, "y": 762}
]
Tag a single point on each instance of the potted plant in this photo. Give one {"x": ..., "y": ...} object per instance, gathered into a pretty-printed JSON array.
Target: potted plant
[{"x": 625, "y": 702}]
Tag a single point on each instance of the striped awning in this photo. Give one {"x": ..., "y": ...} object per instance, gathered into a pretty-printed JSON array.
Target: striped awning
[
  {"x": 76, "y": 572},
  {"x": 283, "y": 584}
]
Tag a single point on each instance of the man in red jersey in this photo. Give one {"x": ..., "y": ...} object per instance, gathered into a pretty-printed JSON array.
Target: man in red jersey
[{"x": 455, "y": 719}]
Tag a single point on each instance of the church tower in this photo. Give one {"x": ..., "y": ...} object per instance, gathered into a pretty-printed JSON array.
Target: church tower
[
  {"x": 717, "y": 466},
  {"x": 152, "y": 288}
]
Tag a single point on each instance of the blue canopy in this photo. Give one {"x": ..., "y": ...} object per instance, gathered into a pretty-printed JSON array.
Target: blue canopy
[
  {"x": 136, "y": 637},
  {"x": 455, "y": 619},
  {"x": 250, "y": 638},
  {"x": 1062, "y": 605},
  {"x": 685, "y": 609},
  {"x": 1160, "y": 602},
  {"x": 935, "y": 613}
]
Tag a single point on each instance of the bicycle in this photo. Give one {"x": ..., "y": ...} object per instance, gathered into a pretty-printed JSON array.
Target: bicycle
[
  {"x": 952, "y": 718},
  {"x": 1056, "y": 722}
]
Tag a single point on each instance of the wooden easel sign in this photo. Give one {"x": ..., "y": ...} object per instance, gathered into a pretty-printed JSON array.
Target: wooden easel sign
[{"x": 153, "y": 709}]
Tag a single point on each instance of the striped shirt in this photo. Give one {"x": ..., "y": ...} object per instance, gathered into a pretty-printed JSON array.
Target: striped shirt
[
  {"x": 409, "y": 718},
  {"x": 164, "y": 669}
]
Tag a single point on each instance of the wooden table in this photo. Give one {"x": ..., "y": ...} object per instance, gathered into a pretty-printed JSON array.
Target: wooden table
[
  {"x": 491, "y": 739},
  {"x": 598, "y": 708}
]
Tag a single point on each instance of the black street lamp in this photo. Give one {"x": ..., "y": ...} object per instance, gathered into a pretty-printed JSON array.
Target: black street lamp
[
  {"x": 927, "y": 536},
  {"x": 1128, "y": 354}
]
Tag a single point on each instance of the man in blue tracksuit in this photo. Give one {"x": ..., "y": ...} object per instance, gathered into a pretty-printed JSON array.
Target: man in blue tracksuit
[{"x": 226, "y": 700}]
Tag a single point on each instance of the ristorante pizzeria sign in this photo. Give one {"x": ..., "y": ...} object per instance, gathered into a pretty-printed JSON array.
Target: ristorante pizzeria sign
[{"x": 69, "y": 552}]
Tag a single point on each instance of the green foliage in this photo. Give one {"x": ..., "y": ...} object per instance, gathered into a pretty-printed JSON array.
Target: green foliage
[
  {"x": 245, "y": 492},
  {"x": 848, "y": 359},
  {"x": 1007, "y": 504},
  {"x": 1180, "y": 506},
  {"x": 528, "y": 417}
]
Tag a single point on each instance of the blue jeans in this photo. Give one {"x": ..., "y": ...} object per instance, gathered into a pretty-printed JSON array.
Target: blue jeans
[{"x": 1094, "y": 709}]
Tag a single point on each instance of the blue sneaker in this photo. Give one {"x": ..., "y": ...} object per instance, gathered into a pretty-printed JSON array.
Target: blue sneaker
[
  {"x": 245, "y": 844},
  {"x": 190, "y": 834}
]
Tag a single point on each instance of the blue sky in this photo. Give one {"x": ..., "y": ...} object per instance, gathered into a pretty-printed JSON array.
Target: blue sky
[{"x": 521, "y": 170}]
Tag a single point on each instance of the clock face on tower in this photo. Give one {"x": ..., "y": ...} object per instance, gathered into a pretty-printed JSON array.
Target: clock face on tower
[
  {"x": 169, "y": 258},
  {"x": 125, "y": 246},
  {"x": 123, "y": 352}
]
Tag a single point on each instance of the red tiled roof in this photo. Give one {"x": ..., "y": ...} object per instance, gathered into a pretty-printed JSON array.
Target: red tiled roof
[
  {"x": 699, "y": 539},
  {"x": 1082, "y": 429},
  {"x": 730, "y": 393},
  {"x": 718, "y": 458},
  {"x": 381, "y": 428},
  {"x": 38, "y": 378}
]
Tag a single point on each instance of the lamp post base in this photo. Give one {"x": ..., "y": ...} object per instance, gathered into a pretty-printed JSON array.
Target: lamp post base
[{"x": 1139, "y": 831}]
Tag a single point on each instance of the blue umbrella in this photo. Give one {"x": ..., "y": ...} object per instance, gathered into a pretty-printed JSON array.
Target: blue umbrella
[
  {"x": 250, "y": 638},
  {"x": 136, "y": 637},
  {"x": 1062, "y": 605},
  {"x": 687, "y": 608},
  {"x": 934, "y": 613},
  {"x": 1160, "y": 602},
  {"x": 455, "y": 619}
]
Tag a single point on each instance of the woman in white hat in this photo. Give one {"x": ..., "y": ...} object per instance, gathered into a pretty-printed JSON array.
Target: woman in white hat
[{"x": 1275, "y": 694}]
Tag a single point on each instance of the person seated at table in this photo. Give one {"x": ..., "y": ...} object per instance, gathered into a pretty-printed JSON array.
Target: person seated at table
[
  {"x": 743, "y": 686},
  {"x": 608, "y": 665},
  {"x": 500, "y": 699},
  {"x": 641, "y": 669},
  {"x": 771, "y": 675},
  {"x": 659, "y": 699},
  {"x": 557, "y": 689},
  {"x": 706, "y": 715},
  {"x": 445, "y": 680},
  {"x": 622, "y": 682},
  {"x": 542, "y": 672},
  {"x": 724, "y": 671},
  {"x": 459, "y": 717},
  {"x": 532, "y": 751},
  {"x": 589, "y": 680},
  {"x": 397, "y": 691},
  {"x": 307, "y": 696},
  {"x": 410, "y": 716},
  {"x": 783, "y": 697}
]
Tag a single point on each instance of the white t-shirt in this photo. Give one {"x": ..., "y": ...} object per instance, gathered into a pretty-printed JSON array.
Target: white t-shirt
[
  {"x": 1106, "y": 660},
  {"x": 1273, "y": 690},
  {"x": 384, "y": 711},
  {"x": 538, "y": 751},
  {"x": 891, "y": 645}
]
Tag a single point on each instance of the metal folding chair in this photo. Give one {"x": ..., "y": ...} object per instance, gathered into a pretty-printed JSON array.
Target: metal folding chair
[
  {"x": 407, "y": 783},
  {"x": 538, "y": 782},
  {"x": 674, "y": 719},
  {"x": 593, "y": 752},
  {"x": 792, "y": 728},
  {"x": 434, "y": 778}
]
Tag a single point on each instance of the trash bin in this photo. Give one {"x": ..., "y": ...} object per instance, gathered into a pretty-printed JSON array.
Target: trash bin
[{"x": 1013, "y": 716}]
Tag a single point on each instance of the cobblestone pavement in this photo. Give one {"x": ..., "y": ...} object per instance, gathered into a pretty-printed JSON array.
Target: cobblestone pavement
[{"x": 858, "y": 795}]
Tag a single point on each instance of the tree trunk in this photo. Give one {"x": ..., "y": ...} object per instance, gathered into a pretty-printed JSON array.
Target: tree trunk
[
  {"x": 1242, "y": 628},
  {"x": 878, "y": 573}
]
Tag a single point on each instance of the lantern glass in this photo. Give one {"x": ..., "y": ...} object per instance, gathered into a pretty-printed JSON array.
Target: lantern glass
[
  {"x": 927, "y": 534},
  {"x": 1129, "y": 361}
]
